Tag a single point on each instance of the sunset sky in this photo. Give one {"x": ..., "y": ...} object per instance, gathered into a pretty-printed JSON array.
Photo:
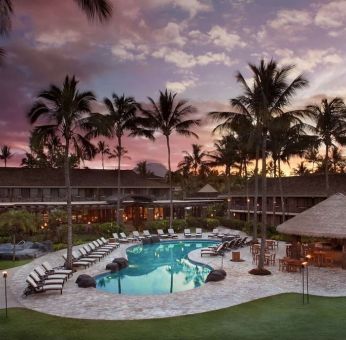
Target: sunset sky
[{"x": 193, "y": 47}]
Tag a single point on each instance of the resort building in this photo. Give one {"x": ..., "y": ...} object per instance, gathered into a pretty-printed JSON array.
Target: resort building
[
  {"x": 299, "y": 193},
  {"x": 94, "y": 194}
]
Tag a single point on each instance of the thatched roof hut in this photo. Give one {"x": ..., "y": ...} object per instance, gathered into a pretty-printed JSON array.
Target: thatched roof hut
[{"x": 326, "y": 219}]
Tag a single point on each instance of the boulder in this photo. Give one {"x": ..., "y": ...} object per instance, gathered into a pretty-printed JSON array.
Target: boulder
[
  {"x": 216, "y": 275},
  {"x": 155, "y": 239},
  {"x": 85, "y": 281},
  {"x": 146, "y": 241},
  {"x": 113, "y": 267},
  {"x": 122, "y": 262}
]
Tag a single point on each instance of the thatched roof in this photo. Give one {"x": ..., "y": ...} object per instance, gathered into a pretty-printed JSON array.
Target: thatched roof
[
  {"x": 325, "y": 219},
  {"x": 208, "y": 189}
]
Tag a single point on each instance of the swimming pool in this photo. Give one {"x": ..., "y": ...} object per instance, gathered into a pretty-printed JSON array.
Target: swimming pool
[{"x": 159, "y": 268}]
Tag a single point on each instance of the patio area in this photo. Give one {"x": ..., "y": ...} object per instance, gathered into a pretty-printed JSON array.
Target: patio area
[{"x": 237, "y": 288}]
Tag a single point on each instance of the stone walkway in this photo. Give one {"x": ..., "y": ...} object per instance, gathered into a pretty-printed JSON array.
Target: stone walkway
[{"x": 238, "y": 287}]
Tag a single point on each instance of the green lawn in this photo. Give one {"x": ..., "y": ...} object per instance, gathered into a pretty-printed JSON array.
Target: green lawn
[
  {"x": 6, "y": 264},
  {"x": 278, "y": 317}
]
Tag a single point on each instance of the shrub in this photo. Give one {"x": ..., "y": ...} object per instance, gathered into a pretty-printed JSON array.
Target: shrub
[
  {"x": 107, "y": 229},
  {"x": 196, "y": 222},
  {"x": 158, "y": 224},
  {"x": 59, "y": 246},
  {"x": 179, "y": 225},
  {"x": 212, "y": 223}
]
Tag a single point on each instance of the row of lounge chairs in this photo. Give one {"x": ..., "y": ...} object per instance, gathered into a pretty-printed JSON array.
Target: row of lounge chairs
[
  {"x": 220, "y": 249},
  {"x": 45, "y": 277},
  {"x": 91, "y": 252}
]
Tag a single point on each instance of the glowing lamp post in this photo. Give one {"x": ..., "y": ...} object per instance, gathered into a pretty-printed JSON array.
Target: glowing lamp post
[
  {"x": 4, "y": 275},
  {"x": 305, "y": 266}
]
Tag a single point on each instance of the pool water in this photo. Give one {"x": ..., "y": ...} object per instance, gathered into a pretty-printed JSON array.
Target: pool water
[{"x": 159, "y": 268}]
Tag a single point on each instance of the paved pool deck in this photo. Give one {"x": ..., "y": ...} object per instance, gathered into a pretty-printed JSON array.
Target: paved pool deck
[{"x": 238, "y": 287}]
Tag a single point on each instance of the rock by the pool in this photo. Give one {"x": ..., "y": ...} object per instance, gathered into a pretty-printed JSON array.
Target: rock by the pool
[
  {"x": 155, "y": 239},
  {"x": 122, "y": 262},
  {"x": 85, "y": 281},
  {"x": 113, "y": 267},
  {"x": 146, "y": 241},
  {"x": 216, "y": 275}
]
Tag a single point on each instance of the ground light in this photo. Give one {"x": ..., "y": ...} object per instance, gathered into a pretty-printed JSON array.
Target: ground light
[{"x": 4, "y": 275}]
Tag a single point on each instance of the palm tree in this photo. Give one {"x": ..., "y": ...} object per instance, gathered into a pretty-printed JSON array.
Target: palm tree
[
  {"x": 103, "y": 149},
  {"x": 311, "y": 155},
  {"x": 121, "y": 119},
  {"x": 195, "y": 160},
  {"x": 330, "y": 119},
  {"x": 142, "y": 169},
  {"x": 68, "y": 112},
  {"x": 15, "y": 222},
  {"x": 337, "y": 160},
  {"x": 301, "y": 170},
  {"x": 100, "y": 9},
  {"x": 168, "y": 116},
  {"x": 226, "y": 155},
  {"x": 5, "y": 154}
]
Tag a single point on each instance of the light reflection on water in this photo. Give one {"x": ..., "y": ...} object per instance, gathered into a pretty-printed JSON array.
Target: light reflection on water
[{"x": 160, "y": 268}]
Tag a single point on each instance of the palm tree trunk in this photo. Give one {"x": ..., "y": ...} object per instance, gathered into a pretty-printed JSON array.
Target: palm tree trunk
[
  {"x": 5, "y": 160},
  {"x": 14, "y": 247},
  {"x": 254, "y": 236},
  {"x": 170, "y": 184},
  {"x": 282, "y": 198},
  {"x": 264, "y": 203},
  {"x": 68, "y": 205},
  {"x": 247, "y": 193},
  {"x": 326, "y": 169},
  {"x": 228, "y": 184},
  {"x": 118, "y": 198},
  {"x": 102, "y": 156},
  {"x": 274, "y": 194}
]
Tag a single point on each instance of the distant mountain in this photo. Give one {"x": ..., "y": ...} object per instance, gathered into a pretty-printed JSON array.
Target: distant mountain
[{"x": 158, "y": 169}]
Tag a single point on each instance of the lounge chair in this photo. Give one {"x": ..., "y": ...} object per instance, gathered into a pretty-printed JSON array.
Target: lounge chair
[
  {"x": 136, "y": 235},
  {"x": 161, "y": 233},
  {"x": 171, "y": 233},
  {"x": 199, "y": 232},
  {"x": 93, "y": 250},
  {"x": 77, "y": 263},
  {"x": 44, "y": 276},
  {"x": 105, "y": 242},
  {"x": 146, "y": 233},
  {"x": 40, "y": 288},
  {"x": 99, "y": 247},
  {"x": 78, "y": 257},
  {"x": 84, "y": 253},
  {"x": 219, "y": 251},
  {"x": 214, "y": 233},
  {"x": 50, "y": 270},
  {"x": 39, "y": 280},
  {"x": 103, "y": 245},
  {"x": 118, "y": 239},
  {"x": 123, "y": 236},
  {"x": 187, "y": 233}
]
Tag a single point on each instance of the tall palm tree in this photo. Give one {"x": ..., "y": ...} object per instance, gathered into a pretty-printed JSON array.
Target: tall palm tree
[
  {"x": 330, "y": 119},
  {"x": 5, "y": 154},
  {"x": 337, "y": 160},
  {"x": 195, "y": 160},
  {"x": 103, "y": 149},
  {"x": 225, "y": 154},
  {"x": 100, "y": 9},
  {"x": 311, "y": 155},
  {"x": 68, "y": 112},
  {"x": 168, "y": 116},
  {"x": 301, "y": 169},
  {"x": 122, "y": 118}
]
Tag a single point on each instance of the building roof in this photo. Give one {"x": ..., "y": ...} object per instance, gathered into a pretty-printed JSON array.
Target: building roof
[
  {"x": 208, "y": 189},
  {"x": 325, "y": 219},
  {"x": 296, "y": 186},
  {"x": 87, "y": 178}
]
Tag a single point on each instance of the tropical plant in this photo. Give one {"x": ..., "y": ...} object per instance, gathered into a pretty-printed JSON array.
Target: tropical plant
[
  {"x": 330, "y": 119},
  {"x": 337, "y": 160},
  {"x": 312, "y": 156},
  {"x": 103, "y": 149},
  {"x": 195, "y": 161},
  {"x": 17, "y": 222},
  {"x": 142, "y": 169},
  {"x": 6, "y": 11},
  {"x": 122, "y": 118},
  {"x": 5, "y": 154},
  {"x": 168, "y": 116},
  {"x": 68, "y": 112}
]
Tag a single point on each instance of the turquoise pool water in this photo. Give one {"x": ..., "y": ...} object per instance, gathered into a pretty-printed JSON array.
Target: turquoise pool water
[{"x": 159, "y": 268}]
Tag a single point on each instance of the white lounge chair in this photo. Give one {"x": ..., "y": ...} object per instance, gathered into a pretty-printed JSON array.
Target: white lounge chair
[
  {"x": 171, "y": 233},
  {"x": 136, "y": 235},
  {"x": 78, "y": 257},
  {"x": 38, "y": 280},
  {"x": 146, "y": 233},
  {"x": 50, "y": 270},
  {"x": 123, "y": 236},
  {"x": 214, "y": 233},
  {"x": 40, "y": 288},
  {"x": 161, "y": 234},
  {"x": 118, "y": 239},
  {"x": 199, "y": 232},
  {"x": 44, "y": 276},
  {"x": 187, "y": 233},
  {"x": 214, "y": 252},
  {"x": 84, "y": 253},
  {"x": 77, "y": 263}
]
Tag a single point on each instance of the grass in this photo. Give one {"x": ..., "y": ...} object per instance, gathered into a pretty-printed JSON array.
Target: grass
[
  {"x": 277, "y": 317},
  {"x": 6, "y": 264}
]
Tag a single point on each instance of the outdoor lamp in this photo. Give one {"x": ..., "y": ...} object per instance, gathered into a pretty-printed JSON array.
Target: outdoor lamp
[{"x": 4, "y": 275}]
